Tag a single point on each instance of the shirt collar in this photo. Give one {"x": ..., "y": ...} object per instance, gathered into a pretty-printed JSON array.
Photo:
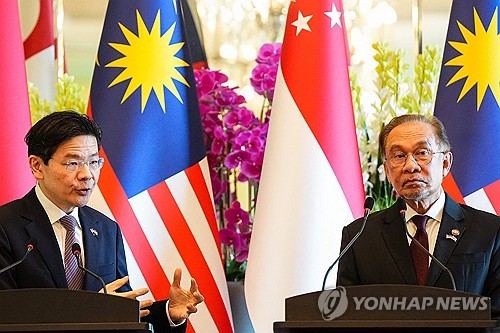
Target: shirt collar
[
  {"x": 435, "y": 211},
  {"x": 53, "y": 212}
]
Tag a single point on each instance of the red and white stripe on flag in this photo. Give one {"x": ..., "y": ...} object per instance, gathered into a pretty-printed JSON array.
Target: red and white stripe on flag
[
  {"x": 311, "y": 184},
  {"x": 486, "y": 198},
  {"x": 37, "y": 25},
  {"x": 168, "y": 226}
]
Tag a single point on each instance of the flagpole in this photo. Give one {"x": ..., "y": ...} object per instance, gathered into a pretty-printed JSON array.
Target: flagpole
[
  {"x": 59, "y": 14},
  {"x": 417, "y": 26}
]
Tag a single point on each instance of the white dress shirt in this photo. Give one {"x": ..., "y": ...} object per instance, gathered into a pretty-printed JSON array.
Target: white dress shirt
[
  {"x": 435, "y": 214},
  {"x": 54, "y": 214}
]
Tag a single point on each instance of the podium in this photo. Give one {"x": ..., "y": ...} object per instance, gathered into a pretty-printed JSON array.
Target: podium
[
  {"x": 62, "y": 310},
  {"x": 387, "y": 308}
]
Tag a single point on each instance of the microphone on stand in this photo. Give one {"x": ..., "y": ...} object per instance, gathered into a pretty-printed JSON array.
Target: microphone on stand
[
  {"x": 77, "y": 251},
  {"x": 29, "y": 247},
  {"x": 402, "y": 211},
  {"x": 369, "y": 202}
]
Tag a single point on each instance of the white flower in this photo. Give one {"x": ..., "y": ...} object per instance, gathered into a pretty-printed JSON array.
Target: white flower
[{"x": 381, "y": 173}]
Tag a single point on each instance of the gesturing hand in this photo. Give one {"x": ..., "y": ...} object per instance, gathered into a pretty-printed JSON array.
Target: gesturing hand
[
  {"x": 115, "y": 285},
  {"x": 182, "y": 302}
]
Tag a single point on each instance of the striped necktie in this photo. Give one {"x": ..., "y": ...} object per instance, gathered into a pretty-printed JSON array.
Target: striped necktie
[{"x": 74, "y": 275}]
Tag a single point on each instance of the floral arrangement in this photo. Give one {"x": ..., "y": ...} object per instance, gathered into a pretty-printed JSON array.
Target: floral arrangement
[
  {"x": 235, "y": 140},
  {"x": 69, "y": 96},
  {"x": 394, "y": 95}
]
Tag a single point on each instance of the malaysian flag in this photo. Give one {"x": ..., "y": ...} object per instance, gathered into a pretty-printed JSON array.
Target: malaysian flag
[
  {"x": 311, "y": 184},
  {"x": 468, "y": 102},
  {"x": 156, "y": 181},
  {"x": 37, "y": 25}
]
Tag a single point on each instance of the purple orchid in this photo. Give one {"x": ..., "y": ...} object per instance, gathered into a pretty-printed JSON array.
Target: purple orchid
[
  {"x": 264, "y": 78},
  {"x": 238, "y": 232},
  {"x": 269, "y": 54},
  {"x": 235, "y": 140},
  {"x": 219, "y": 140}
]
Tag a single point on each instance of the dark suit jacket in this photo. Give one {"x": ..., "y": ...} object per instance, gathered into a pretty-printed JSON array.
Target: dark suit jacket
[
  {"x": 382, "y": 255},
  {"x": 25, "y": 219}
]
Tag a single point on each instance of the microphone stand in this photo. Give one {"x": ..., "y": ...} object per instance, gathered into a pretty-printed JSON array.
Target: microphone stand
[
  {"x": 369, "y": 202},
  {"x": 77, "y": 253},
  {"x": 29, "y": 248},
  {"x": 440, "y": 264}
]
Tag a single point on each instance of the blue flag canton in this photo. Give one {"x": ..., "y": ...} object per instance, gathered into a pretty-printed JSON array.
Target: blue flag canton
[
  {"x": 468, "y": 96},
  {"x": 144, "y": 94}
]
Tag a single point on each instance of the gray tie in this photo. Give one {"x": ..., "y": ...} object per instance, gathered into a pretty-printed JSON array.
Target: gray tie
[{"x": 74, "y": 275}]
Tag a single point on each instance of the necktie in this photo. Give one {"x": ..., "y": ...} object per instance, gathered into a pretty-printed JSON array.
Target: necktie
[
  {"x": 420, "y": 258},
  {"x": 74, "y": 275}
]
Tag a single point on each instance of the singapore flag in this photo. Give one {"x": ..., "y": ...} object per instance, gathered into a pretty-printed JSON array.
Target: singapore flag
[{"x": 311, "y": 184}]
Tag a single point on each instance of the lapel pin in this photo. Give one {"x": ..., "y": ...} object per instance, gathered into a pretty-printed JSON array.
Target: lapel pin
[
  {"x": 452, "y": 237},
  {"x": 455, "y": 232},
  {"x": 94, "y": 232}
]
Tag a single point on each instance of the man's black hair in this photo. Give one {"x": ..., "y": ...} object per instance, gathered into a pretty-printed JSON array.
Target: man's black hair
[{"x": 51, "y": 131}]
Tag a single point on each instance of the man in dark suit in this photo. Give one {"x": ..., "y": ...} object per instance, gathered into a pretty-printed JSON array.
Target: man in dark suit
[
  {"x": 417, "y": 157},
  {"x": 63, "y": 151}
]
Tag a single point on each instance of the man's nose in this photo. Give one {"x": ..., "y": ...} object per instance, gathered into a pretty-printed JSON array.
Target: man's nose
[{"x": 411, "y": 163}]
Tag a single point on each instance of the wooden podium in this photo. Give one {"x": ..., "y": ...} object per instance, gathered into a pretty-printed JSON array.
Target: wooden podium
[
  {"x": 387, "y": 308},
  {"x": 62, "y": 310}
]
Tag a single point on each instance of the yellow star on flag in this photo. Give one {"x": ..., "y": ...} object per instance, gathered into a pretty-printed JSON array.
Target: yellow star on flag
[{"x": 149, "y": 62}]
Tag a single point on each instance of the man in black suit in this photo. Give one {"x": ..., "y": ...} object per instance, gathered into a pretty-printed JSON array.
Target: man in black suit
[
  {"x": 417, "y": 157},
  {"x": 63, "y": 151}
]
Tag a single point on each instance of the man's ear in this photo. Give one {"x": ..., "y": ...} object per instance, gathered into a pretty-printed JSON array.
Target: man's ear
[
  {"x": 447, "y": 162},
  {"x": 36, "y": 166},
  {"x": 386, "y": 170}
]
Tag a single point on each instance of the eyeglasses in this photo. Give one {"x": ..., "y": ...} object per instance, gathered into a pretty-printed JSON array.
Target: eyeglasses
[
  {"x": 74, "y": 165},
  {"x": 421, "y": 157}
]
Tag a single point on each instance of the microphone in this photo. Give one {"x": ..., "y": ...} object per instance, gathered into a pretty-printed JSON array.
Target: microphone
[
  {"x": 29, "y": 247},
  {"x": 369, "y": 202},
  {"x": 77, "y": 251},
  {"x": 402, "y": 211}
]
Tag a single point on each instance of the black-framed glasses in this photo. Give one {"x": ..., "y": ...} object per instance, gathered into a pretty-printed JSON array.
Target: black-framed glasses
[
  {"x": 74, "y": 165},
  {"x": 421, "y": 157}
]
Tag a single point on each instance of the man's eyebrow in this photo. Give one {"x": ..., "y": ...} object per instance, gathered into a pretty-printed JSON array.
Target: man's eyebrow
[
  {"x": 394, "y": 147},
  {"x": 79, "y": 156},
  {"x": 424, "y": 143},
  {"x": 418, "y": 145},
  {"x": 73, "y": 155}
]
